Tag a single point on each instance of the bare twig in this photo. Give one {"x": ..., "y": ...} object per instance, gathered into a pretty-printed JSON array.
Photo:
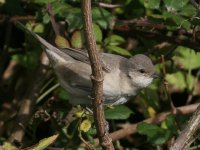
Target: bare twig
[
  {"x": 131, "y": 129},
  {"x": 17, "y": 18},
  {"x": 96, "y": 77},
  {"x": 190, "y": 96},
  {"x": 52, "y": 18},
  {"x": 187, "y": 42},
  {"x": 143, "y": 22},
  {"x": 183, "y": 140},
  {"x": 106, "y": 5},
  {"x": 89, "y": 146},
  {"x": 166, "y": 85}
]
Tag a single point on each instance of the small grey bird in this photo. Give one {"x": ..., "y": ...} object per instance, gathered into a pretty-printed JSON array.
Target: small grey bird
[{"x": 122, "y": 77}]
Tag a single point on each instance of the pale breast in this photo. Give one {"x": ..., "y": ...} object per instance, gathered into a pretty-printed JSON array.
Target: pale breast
[{"x": 111, "y": 84}]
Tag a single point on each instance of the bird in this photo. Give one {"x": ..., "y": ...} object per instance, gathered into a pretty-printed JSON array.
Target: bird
[{"x": 123, "y": 77}]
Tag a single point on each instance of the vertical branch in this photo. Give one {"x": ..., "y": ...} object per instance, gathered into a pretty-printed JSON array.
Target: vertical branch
[
  {"x": 166, "y": 85},
  {"x": 96, "y": 77}
]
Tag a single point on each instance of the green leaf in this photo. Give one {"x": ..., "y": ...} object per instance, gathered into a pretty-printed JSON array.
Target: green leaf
[
  {"x": 97, "y": 33},
  {"x": 9, "y": 146},
  {"x": 187, "y": 58},
  {"x": 71, "y": 14},
  {"x": 61, "y": 42},
  {"x": 44, "y": 143},
  {"x": 39, "y": 28},
  {"x": 175, "y": 20},
  {"x": 77, "y": 39},
  {"x": 114, "y": 40},
  {"x": 118, "y": 50},
  {"x": 62, "y": 94},
  {"x": 118, "y": 112},
  {"x": 177, "y": 84},
  {"x": 175, "y": 5},
  {"x": 85, "y": 125},
  {"x": 155, "y": 134},
  {"x": 151, "y": 4},
  {"x": 188, "y": 11},
  {"x": 170, "y": 124},
  {"x": 190, "y": 81},
  {"x": 46, "y": 18},
  {"x": 102, "y": 17}
]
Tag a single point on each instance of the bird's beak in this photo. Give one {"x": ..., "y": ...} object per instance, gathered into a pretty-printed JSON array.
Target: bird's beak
[{"x": 156, "y": 76}]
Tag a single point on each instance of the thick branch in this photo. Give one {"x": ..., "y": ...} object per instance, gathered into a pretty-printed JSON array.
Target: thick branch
[
  {"x": 185, "y": 137},
  {"x": 96, "y": 77}
]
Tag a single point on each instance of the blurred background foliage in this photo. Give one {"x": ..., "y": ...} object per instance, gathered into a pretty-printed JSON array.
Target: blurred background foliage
[{"x": 127, "y": 27}]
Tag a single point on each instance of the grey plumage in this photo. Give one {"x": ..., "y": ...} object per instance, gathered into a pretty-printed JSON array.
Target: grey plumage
[{"x": 122, "y": 77}]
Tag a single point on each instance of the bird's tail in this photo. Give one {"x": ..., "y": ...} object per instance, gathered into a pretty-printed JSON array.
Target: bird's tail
[{"x": 54, "y": 54}]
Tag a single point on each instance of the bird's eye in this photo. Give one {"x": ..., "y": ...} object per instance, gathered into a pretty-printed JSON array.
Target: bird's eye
[{"x": 141, "y": 70}]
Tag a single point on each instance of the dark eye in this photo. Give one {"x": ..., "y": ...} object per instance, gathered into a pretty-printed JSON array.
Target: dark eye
[{"x": 141, "y": 70}]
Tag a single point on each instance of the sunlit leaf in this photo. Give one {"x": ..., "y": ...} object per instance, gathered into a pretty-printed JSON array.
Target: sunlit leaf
[
  {"x": 77, "y": 39},
  {"x": 80, "y": 114},
  {"x": 151, "y": 111},
  {"x": 97, "y": 33},
  {"x": 177, "y": 80},
  {"x": 44, "y": 143},
  {"x": 190, "y": 79},
  {"x": 85, "y": 125},
  {"x": 187, "y": 58},
  {"x": 9, "y": 146},
  {"x": 61, "y": 42},
  {"x": 39, "y": 28}
]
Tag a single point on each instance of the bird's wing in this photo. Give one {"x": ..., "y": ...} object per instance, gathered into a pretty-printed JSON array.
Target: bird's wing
[
  {"x": 108, "y": 61},
  {"x": 75, "y": 77},
  {"x": 77, "y": 54}
]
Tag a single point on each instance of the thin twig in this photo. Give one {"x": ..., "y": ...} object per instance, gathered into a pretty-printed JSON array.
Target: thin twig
[
  {"x": 187, "y": 42},
  {"x": 89, "y": 146},
  {"x": 106, "y": 5},
  {"x": 143, "y": 22},
  {"x": 190, "y": 96},
  {"x": 166, "y": 85},
  {"x": 52, "y": 18},
  {"x": 96, "y": 77}
]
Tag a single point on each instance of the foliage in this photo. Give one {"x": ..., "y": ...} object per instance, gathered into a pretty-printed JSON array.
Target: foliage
[{"x": 154, "y": 27}]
